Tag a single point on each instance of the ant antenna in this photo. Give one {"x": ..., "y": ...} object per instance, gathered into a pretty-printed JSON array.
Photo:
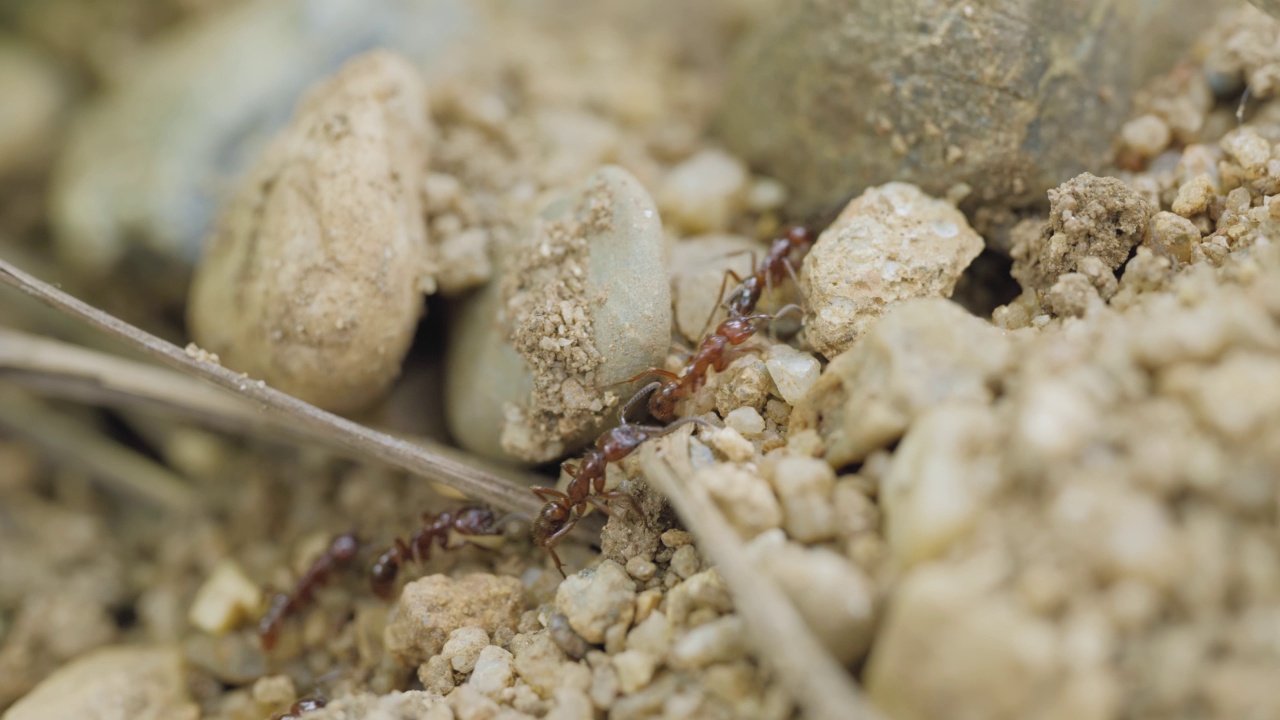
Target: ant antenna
[{"x": 1244, "y": 100}]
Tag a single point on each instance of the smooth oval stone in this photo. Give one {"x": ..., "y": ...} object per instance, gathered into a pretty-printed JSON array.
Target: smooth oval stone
[{"x": 580, "y": 304}]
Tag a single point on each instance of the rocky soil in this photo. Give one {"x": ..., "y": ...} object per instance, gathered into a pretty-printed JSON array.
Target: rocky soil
[{"x": 1004, "y": 452}]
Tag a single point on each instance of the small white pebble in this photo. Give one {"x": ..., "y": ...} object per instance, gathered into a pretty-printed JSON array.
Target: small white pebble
[
  {"x": 641, "y": 568},
  {"x": 463, "y": 648},
  {"x": 492, "y": 673},
  {"x": 746, "y": 420},
  {"x": 225, "y": 599},
  {"x": 676, "y": 538},
  {"x": 718, "y": 641},
  {"x": 794, "y": 372}
]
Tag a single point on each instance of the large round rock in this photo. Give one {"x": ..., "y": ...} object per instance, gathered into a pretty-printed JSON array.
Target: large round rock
[
  {"x": 1008, "y": 97},
  {"x": 581, "y": 303}
]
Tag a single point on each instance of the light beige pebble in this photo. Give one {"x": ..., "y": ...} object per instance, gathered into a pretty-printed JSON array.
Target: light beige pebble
[
  {"x": 635, "y": 669},
  {"x": 834, "y": 596},
  {"x": 463, "y": 647},
  {"x": 433, "y": 607},
  {"x": 641, "y": 568},
  {"x": 685, "y": 561},
  {"x": 804, "y": 486},
  {"x": 719, "y": 641},
  {"x": 436, "y": 675},
  {"x": 462, "y": 262},
  {"x": 1147, "y": 135},
  {"x": 891, "y": 243},
  {"x": 731, "y": 444},
  {"x": 921, "y": 353},
  {"x": 744, "y": 497},
  {"x": 493, "y": 671},
  {"x": 604, "y": 680},
  {"x": 571, "y": 703},
  {"x": 646, "y": 602},
  {"x": 541, "y": 664},
  {"x": 746, "y": 421},
  {"x": 1249, "y": 149},
  {"x": 469, "y": 703},
  {"x": 596, "y": 598},
  {"x": 1073, "y": 295},
  {"x": 706, "y": 590},
  {"x": 675, "y": 538},
  {"x": 28, "y": 129},
  {"x": 793, "y": 371},
  {"x": 274, "y": 690},
  {"x": 112, "y": 683},
  {"x": 615, "y": 638},
  {"x": 941, "y": 479},
  {"x": 766, "y": 194},
  {"x": 652, "y": 636},
  {"x": 313, "y": 278},
  {"x": 745, "y": 384},
  {"x": 1173, "y": 236},
  {"x": 1194, "y": 196},
  {"x": 1120, "y": 532},
  {"x": 225, "y": 599},
  {"x": 703, "y": 192}
]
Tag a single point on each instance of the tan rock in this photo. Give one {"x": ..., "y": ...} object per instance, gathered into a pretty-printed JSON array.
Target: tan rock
[
  {"x": 433, "y": 607},
  {"x": 891, "y": 243},
  {"x": 921, "y": 353},
  {"x": 113, "y": 683},
  {"x": 313, "y": 279}
]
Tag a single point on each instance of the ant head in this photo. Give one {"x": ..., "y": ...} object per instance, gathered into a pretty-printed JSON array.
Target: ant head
[
  {"x": 799, "y": 236},
  {"x": 344, "y": 547},
  {"x": 551, "y": 518},
  {"x": 476, "y": 520},
  {"x": 737, "y": 330},
  {"x": 662, "y": 405},
  {"x": 382, "y": 576}
]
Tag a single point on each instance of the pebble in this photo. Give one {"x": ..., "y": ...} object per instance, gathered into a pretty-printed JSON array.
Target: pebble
[
  {"x": 431, "y": 608},
  {"x": 704, "y": 591},
  {"x": 743, "y": 496},
  {"x": 804, "y": 486},
  {"x": 641, "y": 568},
  {"x": 607, "y": 317},
  {"x": 469, "y": 703},
  {"x": 747, "y": 420},
  {"x": 719, "y": 641},
  {"x": 569, "y": 703},
  {"x": 635, "y": 669},
  {"x": 793, "y": 371},
  {"x": 28, "y": 129},
  {"x": 1173, "y": 236},
  {"x": 1089, "y": 216},
  {"x": 463, "y": 647},
  {"x": 848, "y": 108},
  {"x": 676, "y": 538},
  {"x": 744, "y": 384},
  {"x": 274, "y": 690},
  {"x": 112, "y": 683},
  {"x": 436, "y": 675},
  {"x": 224, "y": 600},
  {"x": 889, "y": 244},
  {"x": 730, "y": 443},
  {"x": 703, "y": 192},
  {"x": 542, "y": 665},
  {"x": 142, "y": 170},
  {"x": 940, "y": 480},
  {"x": 1194, "y": 196},
  {"x": 832, "y": 595},
  {"x": 493, "y": 671},
  {"x": 330, "y": 210},
  {"x": 597, "y": 598},
  {"x": 233, "y": 658},
  {"x": 1146, "y": 135},
  {"x": 652, "y": 636},
  {"x": 685, "y": 562},
  {"x": 921, "y": 353}
]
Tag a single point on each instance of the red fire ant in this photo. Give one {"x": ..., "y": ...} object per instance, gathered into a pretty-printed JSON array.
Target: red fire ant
[
  {"x": 775, "y": 267},
  {"x": 468, "y": 521},
  {"x": 304, "y": 705},
  {"x": 284, "y": 605},
  {"x": 564, "y": 509}
]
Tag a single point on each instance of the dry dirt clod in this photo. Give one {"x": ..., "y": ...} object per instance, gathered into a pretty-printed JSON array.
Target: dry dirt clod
[
  {"x": 1088, "y": 217},
  {"x": 581, "y": 302},
  {"x": 431, "y": 608},
  {"x": 889, "y": 244},
  {"x": 463, "y": 647},
  {"x": 921, "y": 353},
  {"x": 112, "y": 683},
  {"x": 314, "y": 277}
]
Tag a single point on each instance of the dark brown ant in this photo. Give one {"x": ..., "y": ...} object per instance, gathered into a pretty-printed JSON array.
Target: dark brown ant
[
  {"x": 468, "y": 521},
  {"x": 284, "y": 605},
  {"x": 305, "y": 705},
  {"x": 777, "y": 265},
  {"x": 564, "y": 509}
]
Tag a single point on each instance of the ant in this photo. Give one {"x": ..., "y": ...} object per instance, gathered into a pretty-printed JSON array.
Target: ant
[
  {"x": 468, "y": 522},
  {"x": 284, "y": 605},
  {"x": 304, "y": 705},
  {"x": 564, "y": 509},
  {"x": 775, "y": 267}
]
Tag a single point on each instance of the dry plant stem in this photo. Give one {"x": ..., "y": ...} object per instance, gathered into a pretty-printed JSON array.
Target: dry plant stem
[
  {"x": 452, "y": 471},
  {"x": 819, "y": 685},
  {"x": 73, "y": 443}
]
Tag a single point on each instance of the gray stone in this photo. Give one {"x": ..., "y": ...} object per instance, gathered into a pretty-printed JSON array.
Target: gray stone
[
  {"x": 1006, "y": 96},
  {"x": 581, "y": 303}
]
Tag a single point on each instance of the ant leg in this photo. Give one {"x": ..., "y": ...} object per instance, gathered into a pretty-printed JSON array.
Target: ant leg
[
  {"x": 724, "y": 281},
  {"x": 548, "y": 494},
  {"x": 651, "y": 371},
  {"x": 598, "y": 501},
  {"x": 554, "y": 540}
]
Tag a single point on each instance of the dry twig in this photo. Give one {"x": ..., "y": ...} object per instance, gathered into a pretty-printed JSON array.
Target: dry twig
[
  {"x": 820, "y": 686},
  {"x": 463, "y": 474}
]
